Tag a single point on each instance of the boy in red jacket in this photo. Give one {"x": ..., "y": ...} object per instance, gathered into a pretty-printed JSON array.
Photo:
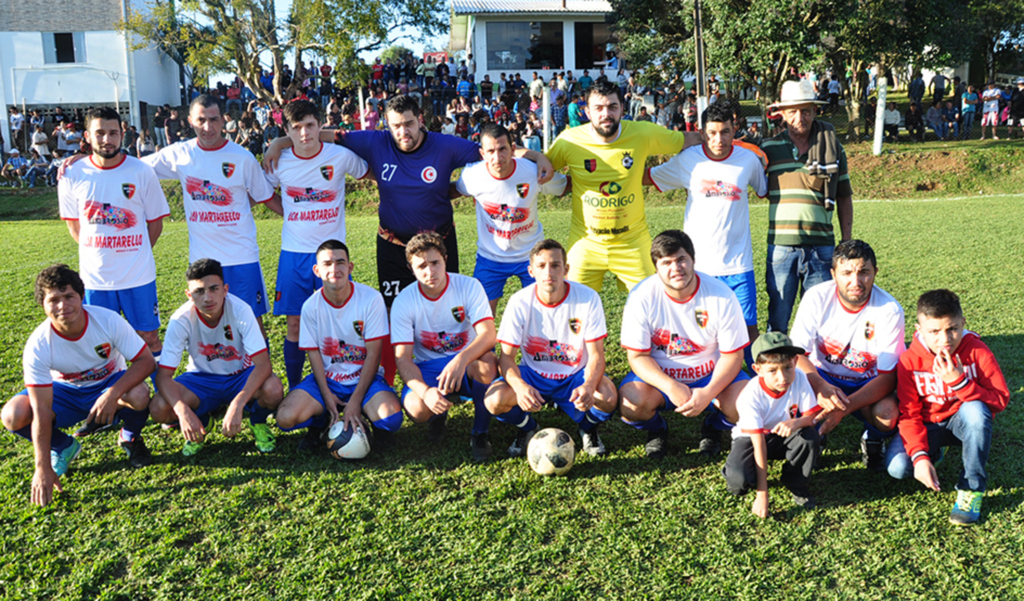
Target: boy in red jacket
[{"x": 949, "y": 387}]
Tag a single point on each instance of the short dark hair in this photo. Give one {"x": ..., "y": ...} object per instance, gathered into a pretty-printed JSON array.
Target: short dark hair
[
  {"x": 775, "y": 358},
  {"x": 495, "y": 131},
  {"x": 204, "y": 267},
  {"x": 333, "y": 244},
  {"x": 853, "y": 249},
  {"x": 58, "y": 277},
  {"x": 207, "y": 101},
  {"x": 401, "y": 103},
  {"x": 939, "y": 303},
  {"x": 297, "y": 110},
  {"x": 424, "y": 242},
  {"x": 548, "y": 244},
  {"x": 101, "y": 112},
  {"x": 670, "y": 242},
  {"x": 719, "y": 112},
  {"x": 606, "y": 89}
]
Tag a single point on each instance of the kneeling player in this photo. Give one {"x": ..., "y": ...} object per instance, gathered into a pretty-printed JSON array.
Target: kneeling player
[
  {"x": 227, "y": 365},
  {"x": 343, "y": 329},
  {"x": 74, "y": 365},
  {"x": 683, "y": 333},
  {"x": 560, "y": 329},
  {"x": 444, "y": 340}
]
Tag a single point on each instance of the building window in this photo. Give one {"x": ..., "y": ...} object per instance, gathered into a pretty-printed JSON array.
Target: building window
[
  {"x": 593, "y": 42},
  {"x": 535, "y": 45},
  {"x": 64, "y": 47}
]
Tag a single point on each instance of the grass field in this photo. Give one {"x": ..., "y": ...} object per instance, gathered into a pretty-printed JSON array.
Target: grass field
[{"x": 426, "y": 523}]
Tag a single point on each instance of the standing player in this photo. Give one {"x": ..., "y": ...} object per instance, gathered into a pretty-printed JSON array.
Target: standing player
[
  {"x": 227, "y": 364},
  {"x": 74, "y": 365},
  {"x": 444, "y": 340},
  {"x": 853, "y": 332},
  {"x": 716, "y": 176},
  {"x": 609, "y": 226},
  {"x": 505, "y": 189},
  {"x": 343, "y": 329},
  {"x": 560, "y": 329},
  {"x": 311, "y": 176},
  {"x": 682, "y": 332}
]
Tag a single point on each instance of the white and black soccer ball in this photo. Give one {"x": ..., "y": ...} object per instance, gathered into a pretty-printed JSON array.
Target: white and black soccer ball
[
  {"x": 343, "y": 443},
  {"x": 551, "y": 452}
]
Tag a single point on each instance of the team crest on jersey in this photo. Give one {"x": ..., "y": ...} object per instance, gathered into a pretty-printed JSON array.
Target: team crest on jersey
[
  {"x": 428, "y": 175},
  {"x": 869, "y": 331},
  {"x": 459, "y": 313},
  {"x": 128, "y": 190},
  {"x": 327, "y": 171},
  {"x": 103, "y": 350},
  {"x": 702, "y": 318},
  {"x": 575, "y": 324},
  {"x": 227, "y": 169},
  {"x": 794, "y": 412},
  {"x": 358, "y": 327},
  {"x": 590, "y": 165},
  {"x": 522, "y": 189},
  {"x": 228, "y": 333},
  {"x": 627, "y": 161}
]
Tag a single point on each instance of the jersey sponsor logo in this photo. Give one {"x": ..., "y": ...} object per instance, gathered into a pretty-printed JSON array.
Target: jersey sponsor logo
[
  {"x": 609, "y": 188},
  {"x": 444, "y": 343},
  {"x": 689, "y": 374},
  {"x": 102, "y": 213},
  {"x": 720, "y": 189},
  {"x": 843, "y": 355},
  {"x": 103, "y": 350},
  {"x": 459, "y": 313},
  {"x": 215, "y": 351},
  {"x": 341, "y": 352},
  {"x": 627, "y": 160},
  {"x": 522, "y": 189},
  {"x": 590, "y": 165},
  {"x": 227, "y": 169},
  {"x": 299, "y": 195},
  {"x": 428, "y": 175},
  {"x": 113, "y": 242},
  {"x": 606, "y": 196},
  {"x": 228, "y": 333},
  {"x": 506, "y": 212},
  {"x": 358, "y": 327},
  {"x": 869, "y": 330},
  {"x": 207, "y": 191},
  {"x": 540, "y": 349},
  {"x": 90, "y": 375},
  {"x": 674, "y": 345},
  {"x": 701, "y": 316},
  {"x": 327, "y": 171},
  {"x": 575, "y": 325},
  {"x": 128, "y": 190},
  {"x": 934, "y": 390}
]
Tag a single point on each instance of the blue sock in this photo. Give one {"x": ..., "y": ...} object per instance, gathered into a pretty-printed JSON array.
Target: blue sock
[
  {"x": 204, "y": 419},
  {"x": 654, "y": 424},
  {"x": 481, "y": 416},
  {"x": 59, "y": 440},
  {"x": 438, "y": 416},
  {"x": 593, "y": 418},
  {"x": 518, "y": 418},
  {"x": 716, "y": 419},
  {"x": 390, "y": 423},
  {"x": 299, "y": 426},
  {"x": 132, "y": 422},
  {"x": 25, "y": 432},
  {"x": 258, "y": 414},
  {"x": 294, "y": 361}
]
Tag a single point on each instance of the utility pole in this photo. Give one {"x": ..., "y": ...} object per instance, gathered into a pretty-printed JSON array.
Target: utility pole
[{"x": 702, "y": 80}]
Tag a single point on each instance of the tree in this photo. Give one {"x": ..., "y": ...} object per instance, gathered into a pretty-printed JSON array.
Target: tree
[
  {"x": 246, "y": 36},
  {"x": 999, "y": 33}
]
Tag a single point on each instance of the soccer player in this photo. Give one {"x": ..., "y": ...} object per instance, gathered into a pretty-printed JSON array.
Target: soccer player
[
  {"x": 949, "y": 387},
  {"x": 716, "y": 176},
  {"x": 343, "y": 328},
  {"x": 609, "y": 226},
  {"x": 311, "y": 176},
  {"x": 560, "y": 329},
  {"x": 444, "y": 340},
  {"x": 74, "y": 366},
  {"x": 682, "y": 332},
  {"x": 853, "y": 333},
  {"x": 228, "y": 364},
  {"x": 505, "y": 189}
]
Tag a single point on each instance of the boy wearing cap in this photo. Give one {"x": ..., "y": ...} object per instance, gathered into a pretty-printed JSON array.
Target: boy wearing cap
[{"x": 777, "y": 412}]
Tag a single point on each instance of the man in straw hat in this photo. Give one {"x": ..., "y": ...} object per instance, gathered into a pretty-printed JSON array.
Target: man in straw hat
[{"x": 807, "y": 183}]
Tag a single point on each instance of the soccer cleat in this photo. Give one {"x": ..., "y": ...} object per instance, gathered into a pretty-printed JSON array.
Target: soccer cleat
[
  {"x": 191, "y": 448},
  {"x": 91, "y": 427},
  {"x": 265, "y": 440},
  {"x": 710, "y": 439},
  {"x": 872, "y": 454},
  {"x": 657, "y": 443},
  {"x": 312, "y": 441},
  {"x": 518, "y": 446},
  {"x": 804, "y": 499},
  {"x": 438, "y": 428},
  {"x": 60, "y": 460},
  {"x": 138, "y": 453},
  {"x": 592, "y": 443},
  {"x": 967, "y": 508},
  {"x": 481, "y": 446}
]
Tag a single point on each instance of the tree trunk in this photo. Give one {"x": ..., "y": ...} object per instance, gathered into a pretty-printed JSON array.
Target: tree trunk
[{"x": 858, "y": 85}]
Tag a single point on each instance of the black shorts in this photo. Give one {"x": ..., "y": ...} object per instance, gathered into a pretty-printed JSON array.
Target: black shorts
[{"x": 393, "y": 271}]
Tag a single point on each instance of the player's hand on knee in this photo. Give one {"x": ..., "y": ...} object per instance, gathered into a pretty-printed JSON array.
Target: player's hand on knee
[
  {"x": 436, "y": 401},
  {"x": 582, "y": 398},
  {"x": 697, "y": 402},
  {"x": 924, "y": 472},
  {"x": 530, "y": 399},
  {"x": 43, "y": 482},
  {"x": 103, "y": 409},
  {"x": 831, "y": 398},
  {"x": 232, "y": 420},
  {"x": 450, "y": 378},
  {"x": 827, "y": 421}
]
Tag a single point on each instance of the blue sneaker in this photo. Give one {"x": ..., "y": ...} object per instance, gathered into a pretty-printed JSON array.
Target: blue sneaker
[
  {"x": 967, "y": 508},
  {"x": 60, "y": 461}
]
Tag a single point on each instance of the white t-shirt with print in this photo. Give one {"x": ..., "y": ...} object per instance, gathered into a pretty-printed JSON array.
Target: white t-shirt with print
[
  {"x": 761, "y": 408},
  {"x": 341, "y": 332},
  {"x": 443, "y": 326},
  {"x": 222, "y": 348}
]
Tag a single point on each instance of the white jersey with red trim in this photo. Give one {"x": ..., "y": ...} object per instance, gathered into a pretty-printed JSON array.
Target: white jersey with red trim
[
  {"x": 717, "y": 215},
  {"x": 761, "y": 408},
  {"x": 216, "y": 188},
  {"x": 113, "y": 206},
  {"x": 222, "y": 348},
  {"x": 443, "y": 326},
  {"x": 313, "y": 195},
  {"x": 506, "y": 209},
  {"x": 553, "y": 338},
  {"x": 849, "y": 346},
  {"x": 87, "y": 360},
  {"x": 340, "y": 332},
  {"x": 686, "y": 338}
]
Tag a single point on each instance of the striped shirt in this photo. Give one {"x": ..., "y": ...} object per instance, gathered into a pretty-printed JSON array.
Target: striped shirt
[{"x": 796, "y": 210}]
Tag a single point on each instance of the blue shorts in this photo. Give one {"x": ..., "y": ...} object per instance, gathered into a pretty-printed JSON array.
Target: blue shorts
[
  {"x": 139, "y": 305},
  {"x": 246, "y": 282},
  {"x": 433, "y": 368},
  {"x": 745, "y": 288},
  {"x": 556, "y": 392},
  {"x": 701, "y": 383},
  {"x": 72, "y": 404},
  {"x": 296, "y": 282},
  {"x": 214, "y": 390},
  {"x": 342, "y": 391},
  {"x": 493, "y": 275}
]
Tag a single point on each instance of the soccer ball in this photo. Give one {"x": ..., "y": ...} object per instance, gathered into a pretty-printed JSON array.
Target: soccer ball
[
  {"x": 551, "y": 452},
  {"x": 345, "y": 444}
]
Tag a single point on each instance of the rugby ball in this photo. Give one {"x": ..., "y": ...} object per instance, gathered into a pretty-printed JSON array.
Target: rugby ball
[
  {"x": 551, "y": 452},
  {"x": 343, "y": 443}
]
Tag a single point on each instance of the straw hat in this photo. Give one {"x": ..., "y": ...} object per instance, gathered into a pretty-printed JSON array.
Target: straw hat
[{"x": 796, "y": 93}]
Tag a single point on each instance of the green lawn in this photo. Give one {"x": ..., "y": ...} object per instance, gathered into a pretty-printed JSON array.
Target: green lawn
[{"x": 425, "y": 523}]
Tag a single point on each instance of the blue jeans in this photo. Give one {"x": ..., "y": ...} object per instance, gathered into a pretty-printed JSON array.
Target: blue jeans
[
  {"x": 970, "y": 427},
  {"x": 788, "y": 267},
  {"x": 32, "y": 174},
  {"x": 968, "y": 117},
  {"x": 941, "y": 129}
]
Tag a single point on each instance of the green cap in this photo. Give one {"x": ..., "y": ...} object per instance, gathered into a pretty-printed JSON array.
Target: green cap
[{"x": 774, "y": 342}]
